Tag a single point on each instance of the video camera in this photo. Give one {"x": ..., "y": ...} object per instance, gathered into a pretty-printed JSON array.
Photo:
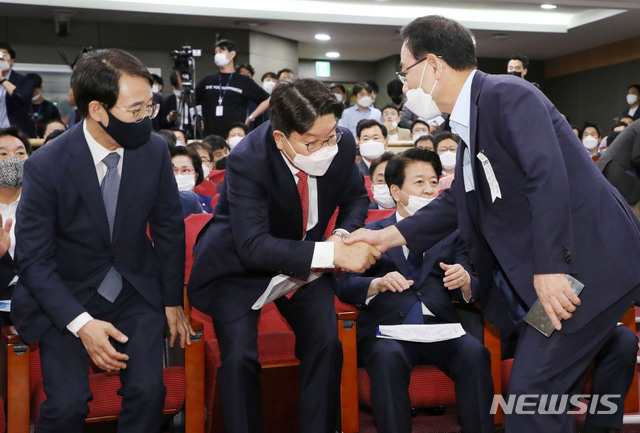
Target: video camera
[{"x": 184, "y": 63}]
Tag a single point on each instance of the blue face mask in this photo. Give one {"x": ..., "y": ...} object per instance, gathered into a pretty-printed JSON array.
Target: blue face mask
[{"x": 128, "y": 135}]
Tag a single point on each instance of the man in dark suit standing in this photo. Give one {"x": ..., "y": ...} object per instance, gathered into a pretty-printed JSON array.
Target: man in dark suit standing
[
  {"x": 407, "y": 288},
  {"x": 15, "y": 93},
  {"x": 88, "y": 271},
  {"x": 526, "y": 201},
  {"x": 282, "y": 185}
]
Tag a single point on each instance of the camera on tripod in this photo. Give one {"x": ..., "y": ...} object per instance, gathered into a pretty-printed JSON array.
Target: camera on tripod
[
  {"x": 190, "y": 115},
  {"x": 183, "y": 62}
]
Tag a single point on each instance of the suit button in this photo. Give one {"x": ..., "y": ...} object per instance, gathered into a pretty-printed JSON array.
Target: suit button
[
  {"x": 92, "y": 289},
  {"x": 403, "y": 314},
  {"x": 418, "y": 293},
  {"x": 113, "y": 259}
]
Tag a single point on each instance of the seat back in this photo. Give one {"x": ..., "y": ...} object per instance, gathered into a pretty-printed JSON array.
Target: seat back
[
  {"x": 192, "y": 226},
  {"x": 217, "y": 176}
]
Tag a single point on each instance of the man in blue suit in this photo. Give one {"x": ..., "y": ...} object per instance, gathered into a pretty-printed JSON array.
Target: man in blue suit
[
  {"x": 407, "y": 288},
  {"x": 16, "y": 91},
  {"x": 282, "y": 185},
  {"x": 88, "y": 271},
  {"x": 526, "y": 202}
]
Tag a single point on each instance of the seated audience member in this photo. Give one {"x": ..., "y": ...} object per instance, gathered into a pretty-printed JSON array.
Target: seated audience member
[
  {"x": 237, "y": 131},
  {"x": 576, "y": 130},
  {"x": 375, "y": 89},
  {"x": 419, "y": 128},
  {"x": 14, "y": 150},
  {"x": 41, "y": 110},
  {"x": 219, "y": 148},
  {"x": 187, "y": 167},
  {"x": 446, "y": 145},
  {"x": 381, "y": 196},
  {"x": 52, "y": 125},
  {"x": 633, "y": 95},
  {"x": 181, "y": 140},
  {"x": 372, "y": 142},
  {"x": 286, "y": 74},
  {"x": 158, "y": 84},
  {"x": 615, "y": 130},
  {"x": 205, "y": 153},
  {"x": 425, "y": 142},
  {"x": 626, "y": 119},
  {"x": 394, "y": 90},
  {"x": 340, "y": 92},
  {"x": 269, "y": 81},
  {"x": 362, "y": 110},
  {"x": 407, "y": 288},
  {"x": 53, "y": 134},
  {"x": 591, "y": 140},
  {"x": 169, "y": 136},
  {"x": 390, "y": 119},
  {"x": 246, "y": 69}
]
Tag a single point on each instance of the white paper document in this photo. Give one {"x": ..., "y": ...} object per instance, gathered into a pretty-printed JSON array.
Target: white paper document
[
  {"x": 421, "y": 333},
  {"x": 279, "y": 286}
]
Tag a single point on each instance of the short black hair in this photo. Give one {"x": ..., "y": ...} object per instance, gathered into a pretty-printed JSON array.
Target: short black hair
[
  {"x": 444, "y": 37},
  {"x": 423, "y": 138},
  {"x": 444, "y": 135},
  {"x": 625, "y": 117},
  {"x": 379, "y": 160},
  {"x": 56, "y": 120},
  {"x": 283, "y": 70},
  {"x": 394, "y": 87},
  {"x": 415, "y": 122},
  {"x": 374, "y": 86},
  {"x": 195, "y": 160},
  {"x": 53, "y": 134},
  {"x": 296, "y": 104},
  {"x": 36, "y": 79},
  {"x": 391, "y": 106},
  {"x": 216, "y": 142},
  {"x": 339, "y": 86},
  {"x": 13, "y": 131},
  {"x": 9, "y": 48},
  {"x": 634, "y": 86},
  {"x": 169, "y": 136},
  {"x": 248, "y": 67},
  {"x": 360, "y": 86},
  {"x": 524, "y": 59},
  {"x": 394, "y": 174},
  {"x": 268, "y": 75},
  {"x": 195, "y": 145},
  {"x": 241, "y": 125},
  {"x": 370, "y": 123},
  {"x": 590, "y": 125},
  {"x": 157, "y": 79},
  {"x": 96, "y": 77},
  {"x": 226, "y": 44}
]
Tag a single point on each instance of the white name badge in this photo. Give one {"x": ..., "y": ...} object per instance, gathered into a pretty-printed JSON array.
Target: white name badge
[
  {"x": 491, "y": 177},
  {"x": 219, "y": 109}
]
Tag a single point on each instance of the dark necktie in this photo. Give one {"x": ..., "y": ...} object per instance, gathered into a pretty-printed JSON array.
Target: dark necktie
[
  {"x": 111, "y": 286},
  {"x": 303, "y": 190},
  {"x": 415, "y": 265}
]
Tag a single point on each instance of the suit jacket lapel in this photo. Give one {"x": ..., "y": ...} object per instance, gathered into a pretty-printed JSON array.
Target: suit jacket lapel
[
  {"x": 429, "y": 262},
  {"x": 132, "y": 166},
  {"x": 83, "y": 172},
  {"x": 396, "y": 253}
]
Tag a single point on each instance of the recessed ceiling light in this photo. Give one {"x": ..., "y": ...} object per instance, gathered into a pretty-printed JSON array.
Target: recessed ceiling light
[
  {"x": 548, "y": 6},
  {"x": 322, "y": 37},
  {"x": 332, "y": 54}
]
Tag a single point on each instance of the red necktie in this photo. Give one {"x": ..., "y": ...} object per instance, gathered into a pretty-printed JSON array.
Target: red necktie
[{"x": 303, "y": 190}]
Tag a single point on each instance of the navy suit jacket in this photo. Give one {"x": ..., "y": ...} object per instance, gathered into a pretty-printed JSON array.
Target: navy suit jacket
[
  {"x": 557, "y": 213},
  {"x": 256, "y": 229},
  {"x": 63, "y": 248},
  {"x": 18, "y": 103},
  {"x": 391, "y": 308},
  {"x": 167, "y": 105}
]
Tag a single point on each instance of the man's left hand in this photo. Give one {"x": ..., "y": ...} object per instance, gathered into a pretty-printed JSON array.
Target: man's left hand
[
  {"x": 179, "y": 324},
  {"x": 556, "y": 296}
]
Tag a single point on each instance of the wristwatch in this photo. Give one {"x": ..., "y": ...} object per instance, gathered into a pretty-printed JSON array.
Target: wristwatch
[
  {"x": 342, "y": 233},
  {"x": 251, "y": 117}
]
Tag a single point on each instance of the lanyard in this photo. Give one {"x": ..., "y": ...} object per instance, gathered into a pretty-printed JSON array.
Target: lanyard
[{"x": 220, "y": 92}]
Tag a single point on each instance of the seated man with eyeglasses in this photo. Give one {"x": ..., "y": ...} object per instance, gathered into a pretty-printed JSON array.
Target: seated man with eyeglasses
[{"x": 282, "y": 185}]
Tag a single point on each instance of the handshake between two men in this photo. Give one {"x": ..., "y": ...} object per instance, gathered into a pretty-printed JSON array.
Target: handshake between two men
[{"x": 358, "y": 251}]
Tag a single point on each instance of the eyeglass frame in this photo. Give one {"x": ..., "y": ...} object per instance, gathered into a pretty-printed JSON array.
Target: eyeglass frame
[
  {"x": 402, "y": 75},
  {"x": 152, "y": 111},
  {"x": 338, "y": 136}
]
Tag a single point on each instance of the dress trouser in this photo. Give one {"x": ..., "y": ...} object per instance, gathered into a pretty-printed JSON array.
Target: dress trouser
[
  {"x": 311, "y": 314},
  {"x": 65, "y": 368}
]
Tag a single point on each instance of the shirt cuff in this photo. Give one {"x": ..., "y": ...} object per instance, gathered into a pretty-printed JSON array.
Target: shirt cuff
[
  {"x": 369, "y": 299},
  {"x": 78, "y": 323},
  {"x": 465, "y": 298},
  {"x": 323, "y": 255}
]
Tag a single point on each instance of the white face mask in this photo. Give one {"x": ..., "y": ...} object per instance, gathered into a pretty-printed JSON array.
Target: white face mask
[
  {"x": 185, "y": 182},
  {"x": 205, "y": 170},
  {"x": 371, "y": 149},
  {"x": 415, "y": 203},
  {"x": 448, "y": 160},
  {"x": 317, "y": 163},
  {"x": 268, "y": 86},
  {"x": 338, "y": 96},
  {"x": 394, "y": 125},
  {"x": 221, "y": 60},
  {"x": 632, "y": 99},
  {"x": 365, "y": 101},
  {"x": 4, "y": 65},
  {"x": 155, "y": 88},
  {"x": 382, "y": 196},
  {"x": 420, "y": 103},
  {"x": 233, "y": 141},
  {"x": 589, "y": 142},
  {"x": 36, "y": 97}
]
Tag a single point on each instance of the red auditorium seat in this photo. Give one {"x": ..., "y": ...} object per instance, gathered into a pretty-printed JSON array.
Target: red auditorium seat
[{"x": 207, "y": 188}]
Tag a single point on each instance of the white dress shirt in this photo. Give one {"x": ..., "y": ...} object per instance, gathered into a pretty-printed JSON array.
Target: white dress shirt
[{"x": 459, "y": 122}]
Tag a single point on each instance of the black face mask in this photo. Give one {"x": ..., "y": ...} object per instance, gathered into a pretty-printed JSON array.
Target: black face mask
[
  {"x": 516, "y": 73},
  {"x": 128, "y": 135}
]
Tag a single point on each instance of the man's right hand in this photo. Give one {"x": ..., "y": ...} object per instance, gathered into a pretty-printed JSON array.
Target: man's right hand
[
  {"x": 356, "y": 258},
  {"x": 172, "y": 116},
  {"x": 384, "y": 239},
  {"x": 95, "y": 337}
]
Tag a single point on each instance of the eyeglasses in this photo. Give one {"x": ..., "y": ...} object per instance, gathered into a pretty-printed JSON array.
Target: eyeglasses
[
  {"x": 139, "y": 114},
  {"x": 184, "y": 170},
  {"x": 318, "y": 144},
  {"x": 402, "y": 75}
]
